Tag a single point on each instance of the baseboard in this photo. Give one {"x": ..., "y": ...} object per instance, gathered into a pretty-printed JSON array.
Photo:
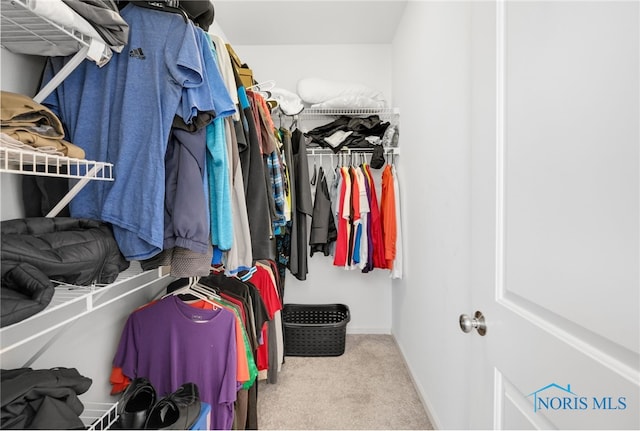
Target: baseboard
[{"x": 428, "y": 407}]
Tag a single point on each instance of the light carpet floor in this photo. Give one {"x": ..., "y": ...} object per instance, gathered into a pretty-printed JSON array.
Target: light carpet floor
[{"x": 368, "y": 387}]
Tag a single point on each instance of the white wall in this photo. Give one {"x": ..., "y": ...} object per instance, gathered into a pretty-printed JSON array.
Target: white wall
[
  {"x": 367, "y": 295},
  {"x": 18, "y": 74},
  {"x": 431, "y": 86},
  {"x": 286, "y": 64}
]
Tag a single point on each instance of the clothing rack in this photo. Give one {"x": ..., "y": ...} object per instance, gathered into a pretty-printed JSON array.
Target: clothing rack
[
  {"x": 313, "y": 151},
  {"x": 386, "y": 114},
  {"x": 317, "y": 116}
]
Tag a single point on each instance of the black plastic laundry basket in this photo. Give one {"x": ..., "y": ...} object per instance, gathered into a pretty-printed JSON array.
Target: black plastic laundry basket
[{"x": 315, "y": 330}]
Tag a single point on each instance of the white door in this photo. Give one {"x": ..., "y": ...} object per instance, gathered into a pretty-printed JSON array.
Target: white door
[{"x": 555, "y": 215}]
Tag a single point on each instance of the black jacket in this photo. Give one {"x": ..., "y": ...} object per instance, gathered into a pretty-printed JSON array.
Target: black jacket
[
  {"x": 37, "y": 250},
  {"x": 42, "y": 399}
]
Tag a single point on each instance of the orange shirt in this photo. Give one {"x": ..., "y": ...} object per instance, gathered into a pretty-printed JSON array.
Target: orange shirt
[{"x": 388, "y": 216}]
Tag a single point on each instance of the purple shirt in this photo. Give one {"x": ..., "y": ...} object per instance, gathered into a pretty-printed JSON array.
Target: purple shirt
[{"x": 171, "y": 343}]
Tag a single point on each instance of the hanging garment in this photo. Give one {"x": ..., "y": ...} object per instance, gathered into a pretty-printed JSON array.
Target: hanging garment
[
  {"x": 368, "y": 261},
  {"x": 97, "y": 105},
  {"x": 278, "y": 182},
  {"x": 342, "y": 241},
  {"x": 218, "y": 178},
  {"x": 388, "y": 217},
  {"x": 219, "y": 185},
  {"x": 396, "y": 271},
  {"x": 356, "y": 228},
  {"x": 253, "y": 167},
  {"x": 364, "y": 219},
  {"x": 303, "y": 206},
  {"x": 186, "y": 221},
  {"x": 267, "y": 144},
  {"x": 323, "y": 229},
  {"x": 246, "y": 291},
  {"x": 226, "y": 70},
  {"x": 334, "y": 196},
  {"x": 276, "y": 357},
  {"x": 377, "y": 243},
  {"x": 169, "y": 341},
  {"x": 287, "y": 256},
  {"x": 263, "y": 281},
  {"x": 239, "y": 256}
]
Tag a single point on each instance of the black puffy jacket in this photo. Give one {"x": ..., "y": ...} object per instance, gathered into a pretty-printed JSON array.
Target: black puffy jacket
[{"x": 37, "y": 250}]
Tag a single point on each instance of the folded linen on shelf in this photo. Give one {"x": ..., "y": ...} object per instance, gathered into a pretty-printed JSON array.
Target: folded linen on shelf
[
  {"x": 31, "y": 123},
  {"x": 327, "y": 94}
]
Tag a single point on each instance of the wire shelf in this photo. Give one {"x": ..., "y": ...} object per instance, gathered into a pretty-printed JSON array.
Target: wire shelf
[
  {"x": 386, "y": 112},
  {"x": 70, "y": 302},
  {"x": 25, "y": 32},
  {"x": 21, "y": 161},
  {"x": 99, "y": 416},
  {"x": 318, "y": 116}
]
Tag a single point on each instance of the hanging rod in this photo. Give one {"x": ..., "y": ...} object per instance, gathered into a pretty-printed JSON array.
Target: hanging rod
[{"x": 348, "y": 151}]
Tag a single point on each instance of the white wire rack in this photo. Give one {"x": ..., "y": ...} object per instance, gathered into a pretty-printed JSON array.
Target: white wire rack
[
  {"x": 311, "y": 118},
  {"x": 99, "y": 416},
  {"x": 346, "y": 151},
  {"x": 24, "y": 32},
  {"x": 23, "y": 29},
  {"x": 384, "y": 114},
  {"x": 70, "y": 303},
  {"x": 28, "y": 162},
  {"x": 24, "y": 161}
]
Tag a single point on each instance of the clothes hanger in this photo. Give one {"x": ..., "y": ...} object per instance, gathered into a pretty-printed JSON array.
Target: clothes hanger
[
  {"x": 263, "y": 86},
  {"x": 206, "y": 291},
  {"x": 193, "y": 290},
  {"x": 213, "y": 292},
  {"x": 390, "y": 155},
  {"x": 163, "y": 6}
]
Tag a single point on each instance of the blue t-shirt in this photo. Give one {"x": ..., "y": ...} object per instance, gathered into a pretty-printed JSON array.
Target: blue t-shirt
[
  {"x": 213, "y": 94},
  {"x": 122, "y": 113}
]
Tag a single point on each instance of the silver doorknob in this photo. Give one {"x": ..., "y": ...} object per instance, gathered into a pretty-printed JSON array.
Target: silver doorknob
[{"x": 467, "y": 324}]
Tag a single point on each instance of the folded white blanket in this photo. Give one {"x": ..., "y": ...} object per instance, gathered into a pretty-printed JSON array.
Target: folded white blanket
[{"x": 316, "y": 91}]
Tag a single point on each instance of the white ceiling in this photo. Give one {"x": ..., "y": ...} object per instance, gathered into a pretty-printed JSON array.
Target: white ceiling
[{"x": 308, "y": 22}]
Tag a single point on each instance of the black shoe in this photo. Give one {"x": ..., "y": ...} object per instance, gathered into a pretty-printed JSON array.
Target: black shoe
[
  {"x": 135, "y": 404},
  {"x": 176, "y": 411}
]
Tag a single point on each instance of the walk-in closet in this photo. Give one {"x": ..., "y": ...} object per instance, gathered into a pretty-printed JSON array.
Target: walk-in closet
[{"x": 227, "y": 214}]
